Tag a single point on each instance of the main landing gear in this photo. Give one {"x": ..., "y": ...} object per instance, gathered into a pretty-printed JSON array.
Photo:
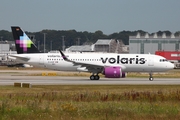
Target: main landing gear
[
  {"x": 151, "y": 77},
  {"x": 94, "y": 77}
]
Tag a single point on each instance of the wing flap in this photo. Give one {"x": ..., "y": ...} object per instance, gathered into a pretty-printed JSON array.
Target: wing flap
[{"x": 97, "y": 65}]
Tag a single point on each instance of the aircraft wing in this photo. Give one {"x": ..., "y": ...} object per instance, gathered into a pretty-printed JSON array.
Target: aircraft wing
[
  {"x": 96, "y": 67},
  {"x": 19, "y": 58},
  {"x": 90, "y": 66}
]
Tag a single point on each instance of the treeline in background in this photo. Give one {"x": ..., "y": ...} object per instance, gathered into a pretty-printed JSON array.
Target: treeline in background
[{"x": 54, "y": 38}]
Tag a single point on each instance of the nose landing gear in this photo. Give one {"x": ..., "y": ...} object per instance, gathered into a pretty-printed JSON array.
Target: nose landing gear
[{"x": 151, "y": 77}]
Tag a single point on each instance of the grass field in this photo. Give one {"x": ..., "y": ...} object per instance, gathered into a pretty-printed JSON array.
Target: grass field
[
  {"x": 97, "y": 102},
  {"x": 91, "y": 102}
]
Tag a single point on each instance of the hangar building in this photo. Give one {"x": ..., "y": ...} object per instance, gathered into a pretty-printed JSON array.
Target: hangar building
[
  {"x": 150, "y": 44},
  {"x": 102, "y": 45}
]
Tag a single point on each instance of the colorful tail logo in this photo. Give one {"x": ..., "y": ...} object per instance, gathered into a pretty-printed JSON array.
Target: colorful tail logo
[{"x": 22, "y": 41}]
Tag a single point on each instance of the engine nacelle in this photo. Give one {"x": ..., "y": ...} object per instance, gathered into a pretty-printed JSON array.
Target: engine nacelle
[{"x": 114, "y": 72}]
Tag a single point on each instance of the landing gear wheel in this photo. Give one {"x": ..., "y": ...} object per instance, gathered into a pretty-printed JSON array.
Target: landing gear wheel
[
  {"x": 94, "y": 77},
  {"x": 151, "y": 78}
]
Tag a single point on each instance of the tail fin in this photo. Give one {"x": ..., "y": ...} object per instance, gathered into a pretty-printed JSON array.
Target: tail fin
[{"x": 23, "y": 42}]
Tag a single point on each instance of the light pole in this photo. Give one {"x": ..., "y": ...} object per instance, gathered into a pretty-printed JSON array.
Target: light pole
[
  {"x": 44, "y": 41},
  {"x": 63, "y": 46},
  {"x": 78, "y": 42},
  {"x": 1, "y": 44},
  {"x": 38, "y": 45},
  {"x": 51, "y": 45}
]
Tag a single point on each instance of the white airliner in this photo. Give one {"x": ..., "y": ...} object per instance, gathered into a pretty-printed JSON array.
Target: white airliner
[{"x": 111, "y": 65}]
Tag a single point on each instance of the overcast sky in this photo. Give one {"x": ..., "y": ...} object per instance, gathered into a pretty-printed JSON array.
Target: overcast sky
[{"x": 109, "y": 16}]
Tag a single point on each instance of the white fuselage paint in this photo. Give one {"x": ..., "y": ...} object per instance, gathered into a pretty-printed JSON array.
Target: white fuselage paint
[{"x": 130, "y": 62}]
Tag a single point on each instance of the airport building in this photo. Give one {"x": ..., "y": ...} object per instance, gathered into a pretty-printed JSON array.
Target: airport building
[
  {"x": 110, "y": 46},
  {"x": 102, "y": 45},
  {"x": 81, "y": 48},
  {"x": 6, "y": 48},
  {"x": 150, "y": 44}
]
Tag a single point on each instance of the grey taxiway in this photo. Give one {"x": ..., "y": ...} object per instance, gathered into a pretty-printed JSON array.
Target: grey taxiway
[{"x": 11, "y": 77}]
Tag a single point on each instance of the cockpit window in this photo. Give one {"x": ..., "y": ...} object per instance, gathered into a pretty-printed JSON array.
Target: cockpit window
[{"x": 163, "y": 60}]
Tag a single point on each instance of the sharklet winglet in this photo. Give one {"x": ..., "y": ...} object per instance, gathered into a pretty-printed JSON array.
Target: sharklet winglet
[{"x": 64, "y": 56}]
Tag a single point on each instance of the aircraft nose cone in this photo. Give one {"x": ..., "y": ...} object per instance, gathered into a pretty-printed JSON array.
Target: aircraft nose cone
[{"x": 170, "y": 66}]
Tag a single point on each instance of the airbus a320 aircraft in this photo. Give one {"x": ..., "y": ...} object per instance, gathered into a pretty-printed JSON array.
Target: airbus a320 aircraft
[{"x": 111, "y": 65}]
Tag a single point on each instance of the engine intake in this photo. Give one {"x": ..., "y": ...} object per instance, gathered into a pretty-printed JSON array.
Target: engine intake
[{"x": 114, "y": 72}]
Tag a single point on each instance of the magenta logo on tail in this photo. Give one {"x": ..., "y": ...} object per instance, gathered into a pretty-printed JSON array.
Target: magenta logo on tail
[{"x": 24, "y": 42}]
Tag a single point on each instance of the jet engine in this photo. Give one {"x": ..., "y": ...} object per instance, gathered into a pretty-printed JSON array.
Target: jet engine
[{"x": 114, "y": 72}]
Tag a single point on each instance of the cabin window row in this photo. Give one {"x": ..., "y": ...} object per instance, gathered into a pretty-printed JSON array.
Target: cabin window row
[{"x": 78, "y": 59}]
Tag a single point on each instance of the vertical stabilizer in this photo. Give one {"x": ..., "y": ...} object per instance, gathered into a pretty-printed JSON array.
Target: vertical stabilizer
[{"x": 23, "y": 43}]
